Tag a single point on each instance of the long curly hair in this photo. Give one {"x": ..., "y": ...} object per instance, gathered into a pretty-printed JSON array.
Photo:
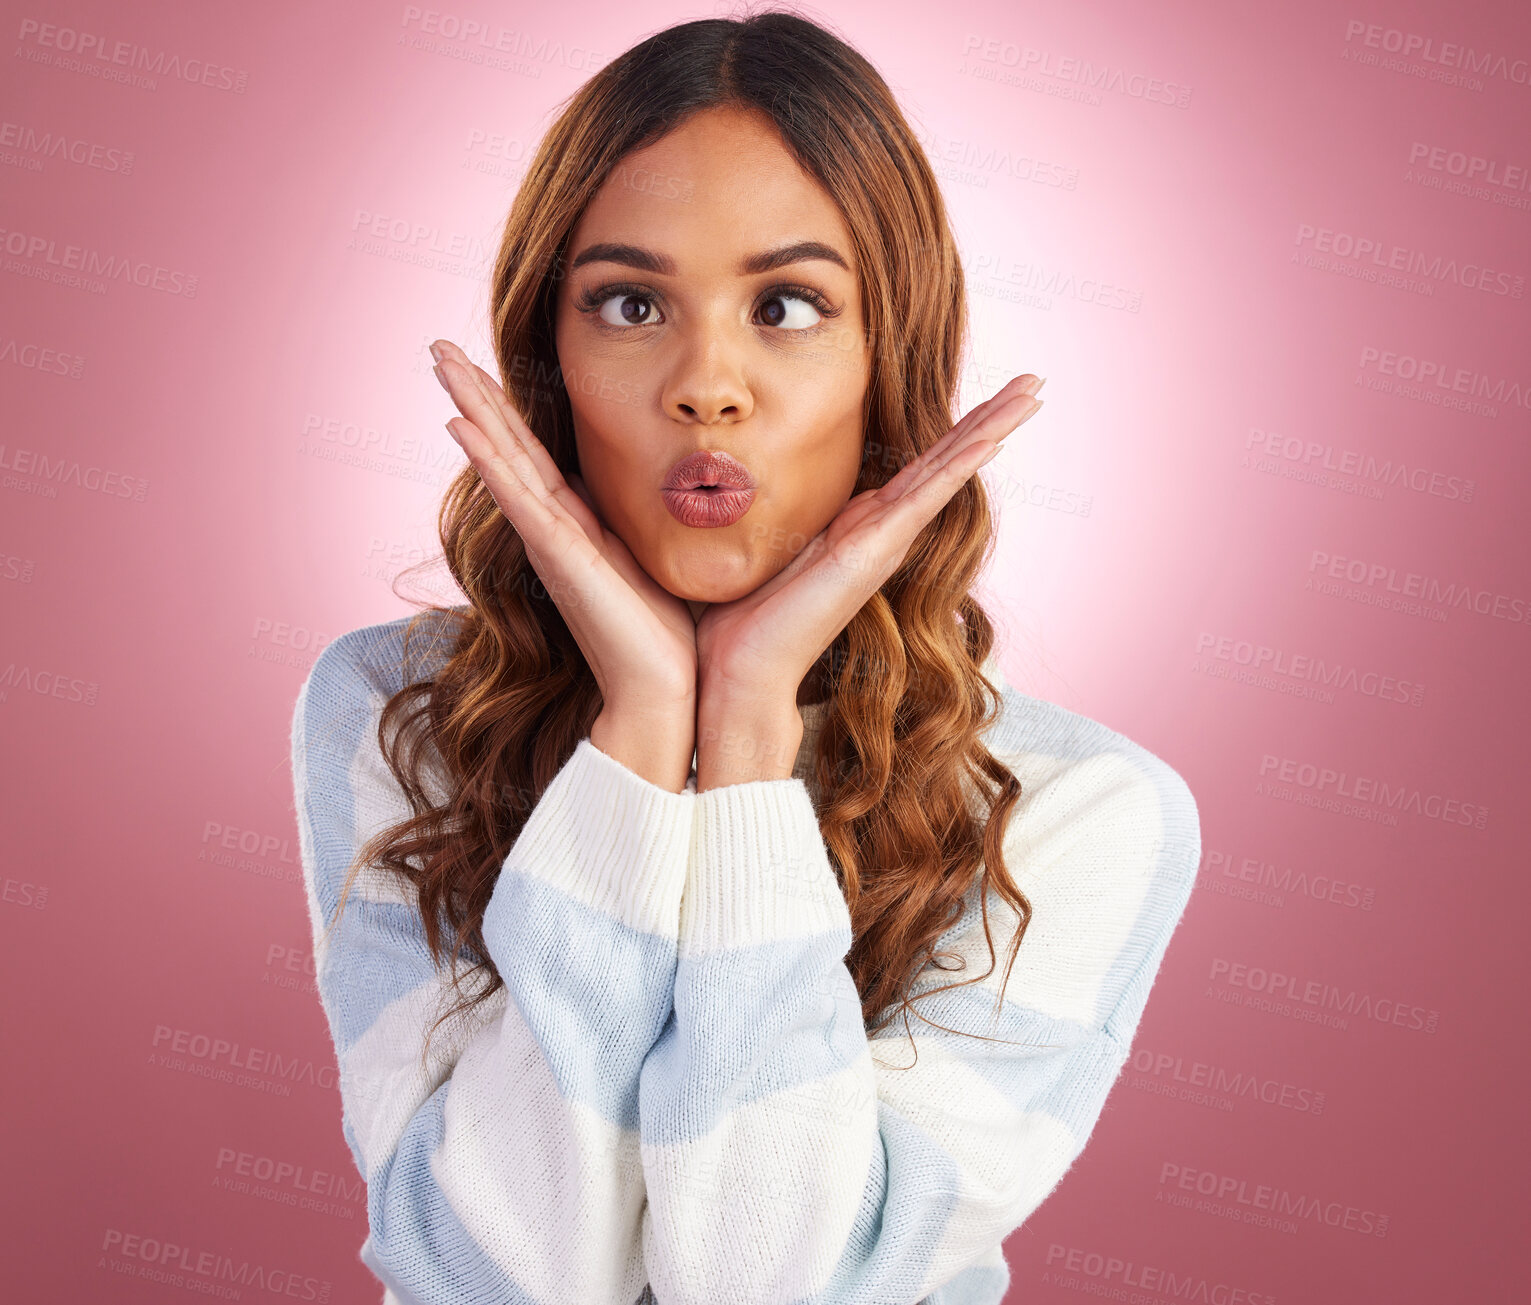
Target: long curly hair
[{"x": 912, "y": 806}]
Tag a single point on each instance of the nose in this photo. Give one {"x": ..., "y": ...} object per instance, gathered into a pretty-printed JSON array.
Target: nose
[{"x": 706, "y": 384}]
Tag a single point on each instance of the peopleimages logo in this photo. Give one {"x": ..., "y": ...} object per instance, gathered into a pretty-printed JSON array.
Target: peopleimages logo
[
  {"x": 1277, "y": 986},
  {"x": 1442, "y": 376},
  {"x": 480, "y": 42},
  {"x": 50, "y": 472},
  {"x": 168, "y": 1262},
  {"x": 1374, "y": 257},
  {"x": 35, "y": 145},
  {"x": 1255, "y": 662},
  {"x": 410, "y": 457},
  {"x": 1268, "y": 882},
  {"x": 118, "y": 60},
  {"x": 1327, "y": 782},
  {"x": 226, "y": 1061},
  {"x": 1071, "y": 68},
  {"x": 1278, "y": 1202},
  {"x": 81, "y": 267},
  {"x": 1110, "y": 1275},
  {"x": 1198, "y": 1075},
  {"x": 1322, "y": 463},
  {"x": 1397, "y": 588},
  {"x": 978, "y": 160},
  {"x": 40, "y": 358},
  {"x": 45, "y": 683},
  {"x": 1443, "y": 55},
  {"x": 236, "y": 1170},
  {"x": 1470, "y": 167}
]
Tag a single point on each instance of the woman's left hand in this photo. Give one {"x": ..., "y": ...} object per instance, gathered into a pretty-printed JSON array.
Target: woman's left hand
[{"x": 756, "y": 650}]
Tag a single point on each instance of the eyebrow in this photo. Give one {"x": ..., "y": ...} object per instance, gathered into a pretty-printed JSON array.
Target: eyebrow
[{"x": 646, "y": 260}]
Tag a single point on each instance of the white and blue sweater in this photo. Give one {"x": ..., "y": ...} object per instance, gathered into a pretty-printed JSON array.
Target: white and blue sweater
[{"x": 674, "y": 1098}]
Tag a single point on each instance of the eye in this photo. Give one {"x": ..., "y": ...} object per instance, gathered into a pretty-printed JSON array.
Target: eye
[
  {"x": 633, "y": 308},
  {"x": 791, "y": 311},
  {"x": 622, "y": 305}
]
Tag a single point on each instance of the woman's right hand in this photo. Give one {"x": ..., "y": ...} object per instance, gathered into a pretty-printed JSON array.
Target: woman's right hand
[{"x": 638, "y": 638}]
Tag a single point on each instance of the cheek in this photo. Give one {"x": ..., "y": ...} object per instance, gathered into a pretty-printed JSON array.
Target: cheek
[
  {"x": 603, "y": 459},
  {"x": 619, "y": 475},
  {"x": 816, "y": 474}
]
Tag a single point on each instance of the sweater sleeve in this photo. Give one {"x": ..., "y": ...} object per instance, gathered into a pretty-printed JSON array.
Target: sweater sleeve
[
  {"x": 787, "y": 1157},
  {"x": 507, "y": 1168}
]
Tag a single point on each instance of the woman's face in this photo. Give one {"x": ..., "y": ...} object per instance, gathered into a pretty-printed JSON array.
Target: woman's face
[{"x": 671, "y": 341}]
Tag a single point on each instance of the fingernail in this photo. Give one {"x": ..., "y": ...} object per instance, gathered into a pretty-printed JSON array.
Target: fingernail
[
  {"x": 441, "y": 378},
  {"x": 994, "y": 453},
  {"x": 452, "y": 433},
  {"x": 437, "y": 352}
]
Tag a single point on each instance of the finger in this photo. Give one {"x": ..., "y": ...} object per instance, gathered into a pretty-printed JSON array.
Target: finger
[
  {"x": 512, "y": 417},
  {"x": 875, "y": 543},
  {"x": 871, "y": 506},
  {"x": 892, "y": 531},
  {"x": 994, "y": 414},
  {"x": 611, "y": 547},
  {"x": 989, "y": 423},
  {"x": 578, "y": 571},
  {"x": 524, "y": 503},
  {"x": 915, "y": 469},
  {"x": 1028, "y": 383},
  {"x": 477, "y": 404},
  {"x": 993, "y": 426},
  {"x": 484, "y": 417},
  {"x": 918, "y": 505},
  {"x": 1018, "y": 396},
  {"x": 543, "y": 507},
  {"x": 515, "y": 425}
]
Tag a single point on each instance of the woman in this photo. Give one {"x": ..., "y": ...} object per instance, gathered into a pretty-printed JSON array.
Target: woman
[{"x": 719, "y": 513}]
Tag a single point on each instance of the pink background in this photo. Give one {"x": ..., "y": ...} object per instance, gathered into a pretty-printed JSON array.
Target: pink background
[{"x": 215, "y": 464}]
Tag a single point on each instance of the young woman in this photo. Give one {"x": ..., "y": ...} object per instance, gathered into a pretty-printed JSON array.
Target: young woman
[{"x": 614, "y": 1026}]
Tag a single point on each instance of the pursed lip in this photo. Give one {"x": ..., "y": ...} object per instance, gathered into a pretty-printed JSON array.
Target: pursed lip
[{"x": 709, "y": 468}]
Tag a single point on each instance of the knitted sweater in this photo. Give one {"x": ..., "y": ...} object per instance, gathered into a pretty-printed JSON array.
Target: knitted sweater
[{"x": 674, "y": 1098}]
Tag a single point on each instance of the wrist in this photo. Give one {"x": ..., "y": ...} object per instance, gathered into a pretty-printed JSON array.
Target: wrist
[
  {"x": 656, "y": 746},
  {"x": 741, "y": 741}
]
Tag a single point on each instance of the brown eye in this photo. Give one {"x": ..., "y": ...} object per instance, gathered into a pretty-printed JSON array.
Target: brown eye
[
  {"x": 776, "y": 312},
  {"x": 632, "y": 310}
]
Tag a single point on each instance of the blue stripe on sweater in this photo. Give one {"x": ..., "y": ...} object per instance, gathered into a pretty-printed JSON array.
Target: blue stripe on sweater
[
  {"x": 789, "y": 1008},
  {"x": 379, "y": 954},
  {"x": 416, "y": 1238},
  {"x": 602, "y": 973},
  {"x": 982, "y": 1284},
  {"x": 891, "y": 1244}
]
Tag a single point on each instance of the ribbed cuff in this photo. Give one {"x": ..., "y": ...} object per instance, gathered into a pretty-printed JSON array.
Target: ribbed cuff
[
  {"x": 759, "y": 869},
  {"x": 611, "y": 839}
]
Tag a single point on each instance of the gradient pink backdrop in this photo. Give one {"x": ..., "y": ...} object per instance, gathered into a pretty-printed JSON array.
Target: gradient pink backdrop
[{"x": 215, "y": 462}]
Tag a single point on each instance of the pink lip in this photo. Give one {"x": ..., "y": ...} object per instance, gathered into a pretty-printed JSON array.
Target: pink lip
[{"x": 708, "y": 488}]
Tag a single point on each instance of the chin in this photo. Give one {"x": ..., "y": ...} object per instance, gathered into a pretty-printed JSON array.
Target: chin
[
  {"x": 710, "y": 593},
  {"x": 706, "y": 575}
]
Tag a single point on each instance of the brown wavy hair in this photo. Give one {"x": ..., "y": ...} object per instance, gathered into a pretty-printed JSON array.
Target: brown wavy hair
[{"x": 905, "y": 698}]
